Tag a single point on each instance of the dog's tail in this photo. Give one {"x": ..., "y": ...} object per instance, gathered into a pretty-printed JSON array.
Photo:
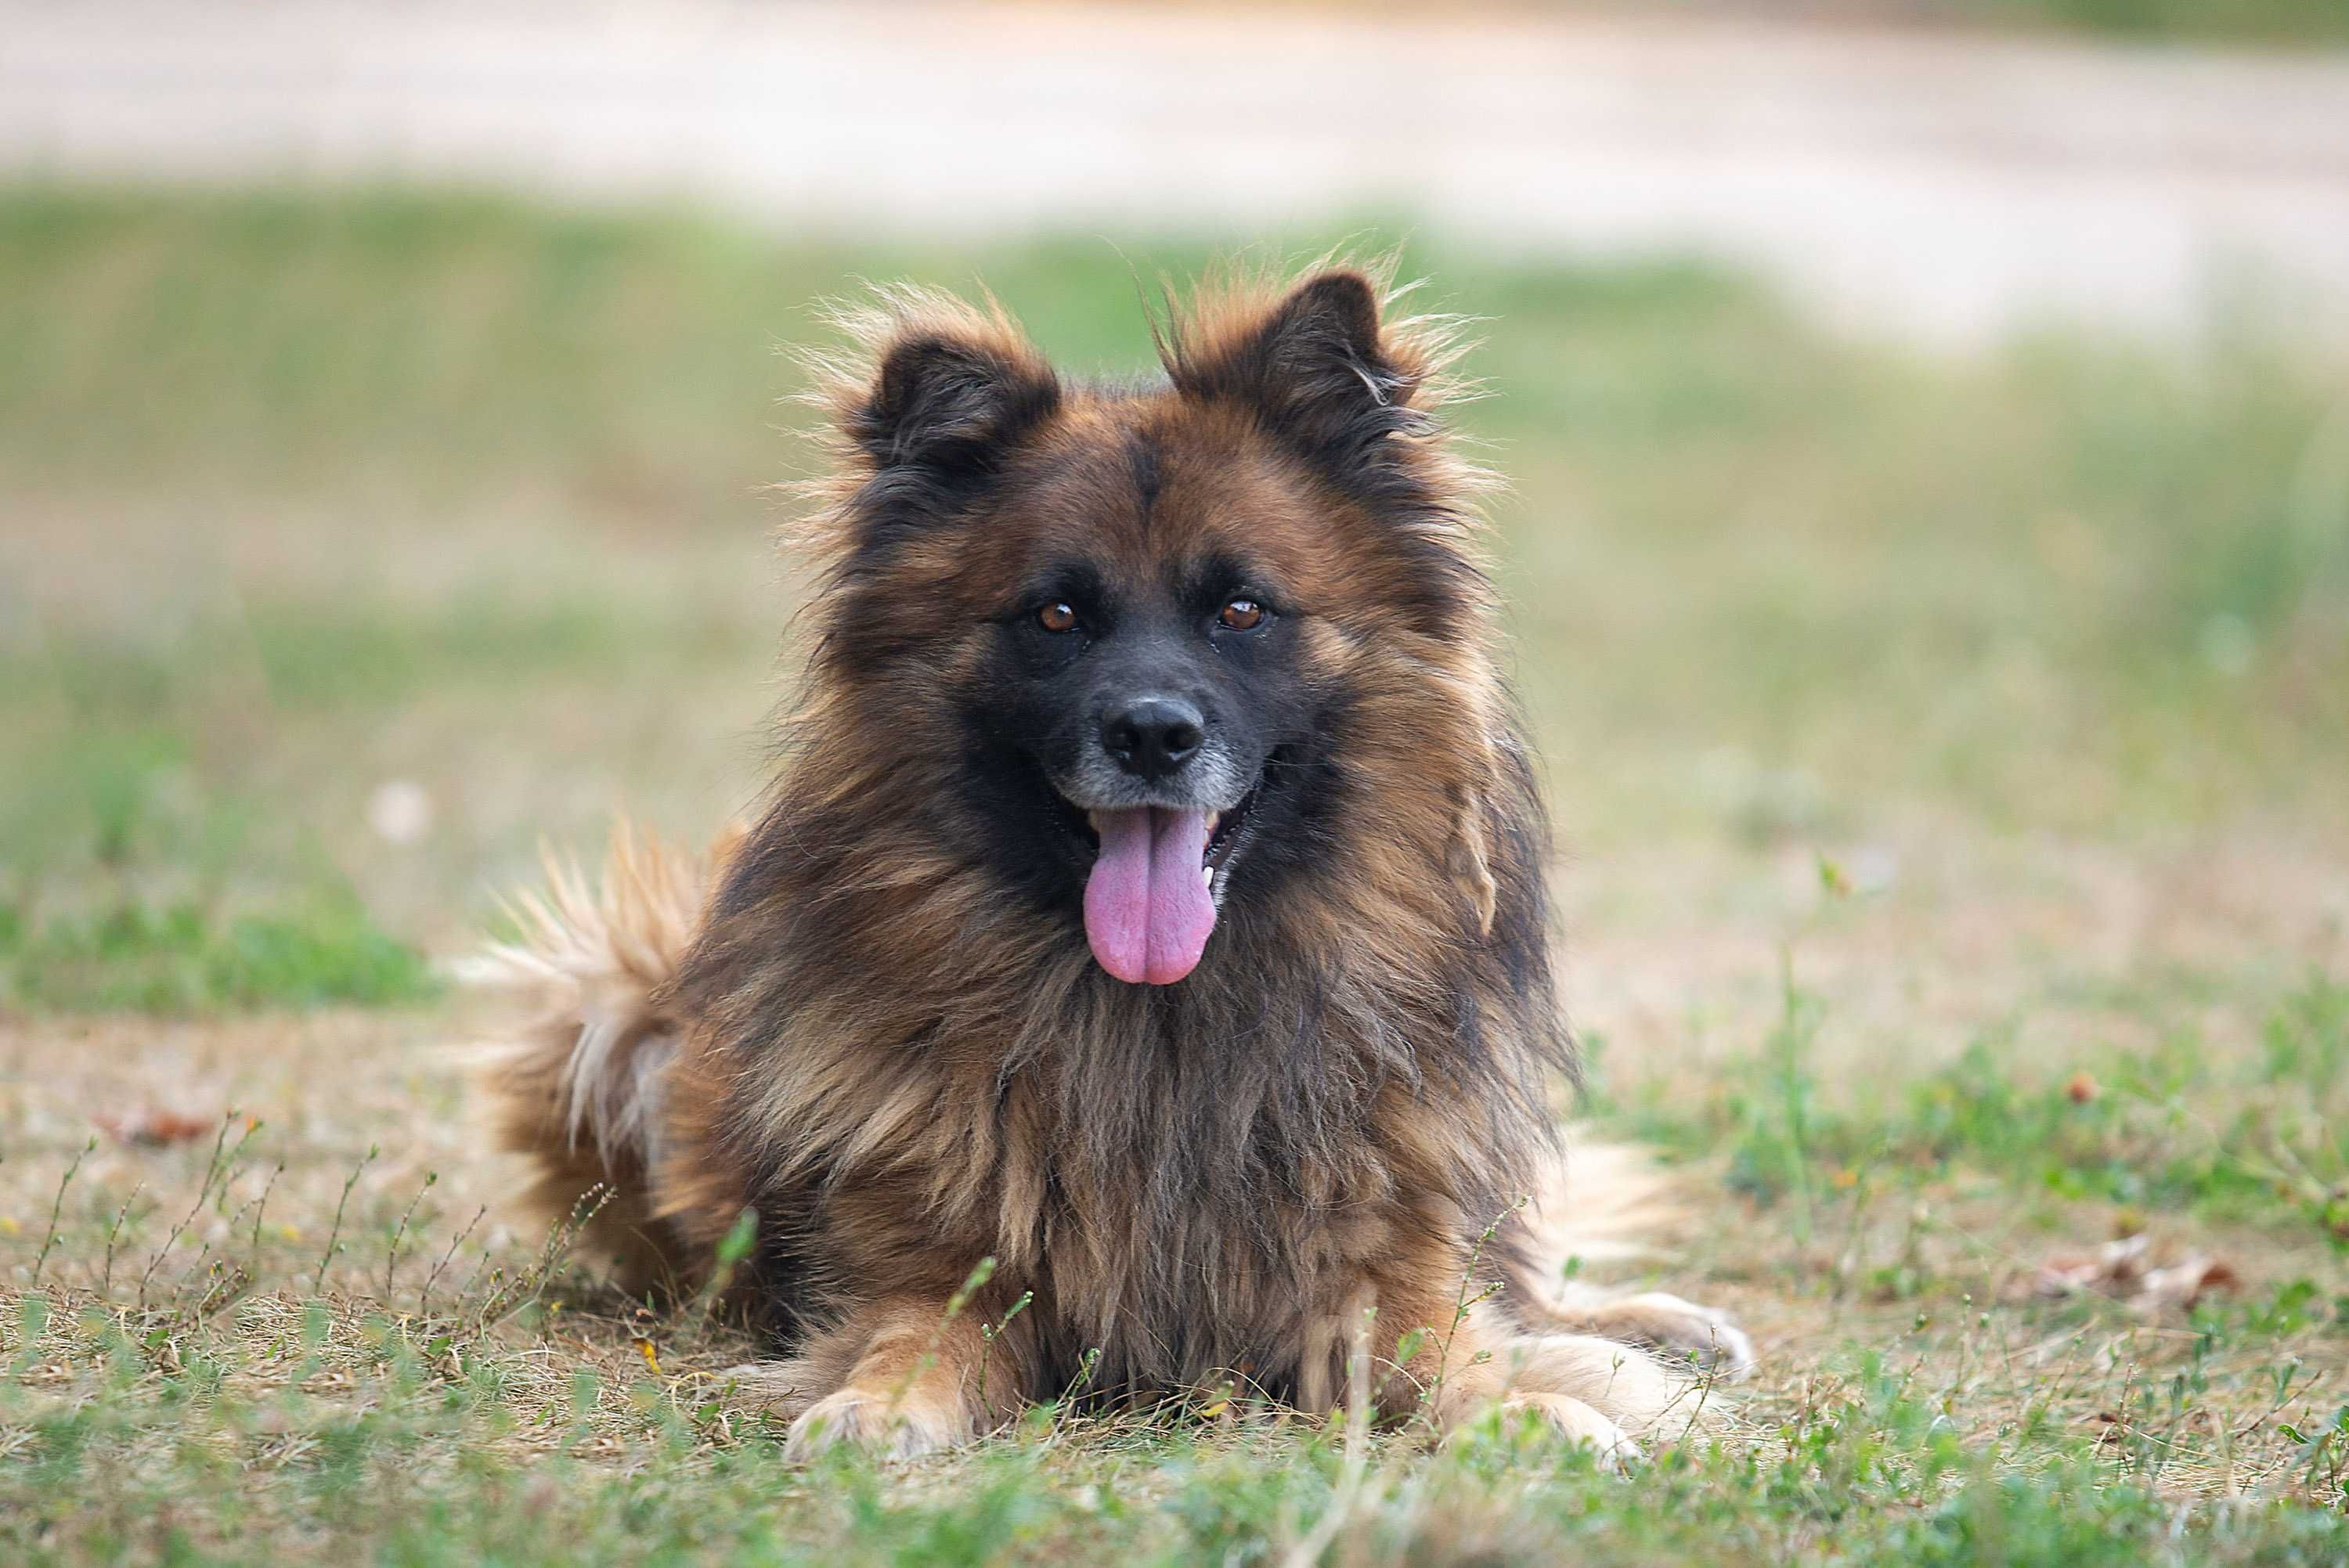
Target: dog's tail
[{"x": 575, "y": 1084}]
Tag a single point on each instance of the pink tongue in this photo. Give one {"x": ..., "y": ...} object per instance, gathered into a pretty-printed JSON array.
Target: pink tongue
[{"x": 1148, "y": 913}]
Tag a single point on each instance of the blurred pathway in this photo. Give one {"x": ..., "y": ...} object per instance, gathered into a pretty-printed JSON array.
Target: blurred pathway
[{"x": 1939, "y": 187}]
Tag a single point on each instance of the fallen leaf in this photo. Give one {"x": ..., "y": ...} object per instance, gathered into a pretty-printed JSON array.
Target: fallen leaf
[
  {"x": 2127, "y": 1271},
  {"x": 644, "y": 1348},
  {"x": 2112, "y": 1269},
  {"x": 2183, "y": 1283},
  {"x": 155, "y": 1129}
]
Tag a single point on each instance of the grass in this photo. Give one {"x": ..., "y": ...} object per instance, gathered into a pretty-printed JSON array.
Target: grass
[
  {"x": 263, "y": 1340},
  {"x": 1949, "y": 751},
  {"x": 2180, "y": 1128},
  {"x": 2237, "y": 22},
  {"x": 182, "y": 959}
]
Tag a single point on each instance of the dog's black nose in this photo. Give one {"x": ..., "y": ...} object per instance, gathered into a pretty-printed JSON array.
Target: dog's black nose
[{"x": 1153, "y": 736}]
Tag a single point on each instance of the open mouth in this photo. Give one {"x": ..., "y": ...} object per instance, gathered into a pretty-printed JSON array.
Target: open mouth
[
  {"x": 1225, "y": 830},
  {"x": 1155, "y": 886}
]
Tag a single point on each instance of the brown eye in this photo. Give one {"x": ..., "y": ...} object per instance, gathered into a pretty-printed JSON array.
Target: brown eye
[
  {"x": 1056, "y": 617},
  {"x": 1242, "y": 614}
]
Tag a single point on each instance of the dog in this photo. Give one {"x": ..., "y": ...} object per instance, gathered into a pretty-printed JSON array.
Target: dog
[{"x": 1139, "y": 977}]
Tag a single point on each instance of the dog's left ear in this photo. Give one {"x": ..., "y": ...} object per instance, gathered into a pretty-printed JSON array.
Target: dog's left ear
[{"x": 1320, "y": 368}]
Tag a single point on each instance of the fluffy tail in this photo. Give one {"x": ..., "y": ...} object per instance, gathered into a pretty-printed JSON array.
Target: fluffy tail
[{"x": 575, "y": 1084}]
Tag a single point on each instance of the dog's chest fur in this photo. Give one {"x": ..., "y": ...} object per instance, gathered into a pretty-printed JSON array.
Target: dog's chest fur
[{"x": 1185, "y": 1182}]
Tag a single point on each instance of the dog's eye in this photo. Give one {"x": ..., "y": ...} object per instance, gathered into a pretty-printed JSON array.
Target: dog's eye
[
  {"x": 1242, "y": 614},
  {"x": 1056, "y": 616}
]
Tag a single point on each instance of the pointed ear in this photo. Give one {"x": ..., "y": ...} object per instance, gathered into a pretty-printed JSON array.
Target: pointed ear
[
  {"x": 947, "y": 405},
  {"x": 1319, "y": 367}
]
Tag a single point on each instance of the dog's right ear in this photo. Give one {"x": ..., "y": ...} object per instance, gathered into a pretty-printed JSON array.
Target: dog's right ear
[{"x": 947, "y": 405}]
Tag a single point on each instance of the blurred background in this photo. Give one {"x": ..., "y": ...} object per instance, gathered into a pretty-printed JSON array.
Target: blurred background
[{"x": 1927, "y": 420}]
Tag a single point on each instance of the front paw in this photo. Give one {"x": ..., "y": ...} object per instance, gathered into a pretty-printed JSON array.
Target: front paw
[
  {"x": 887, "y": 1428},
  {"x": 1681, "y": 1330},
  {"x": 1576, "y": 1421}
]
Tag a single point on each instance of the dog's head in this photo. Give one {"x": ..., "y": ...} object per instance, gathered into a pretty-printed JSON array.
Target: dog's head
[{"x": 1156, "y": 656}]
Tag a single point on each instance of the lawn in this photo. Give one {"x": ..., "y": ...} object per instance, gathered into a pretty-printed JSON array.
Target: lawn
[
  {"x": 2207, "y": 21},
  {"x": 1950, "y": 756}
]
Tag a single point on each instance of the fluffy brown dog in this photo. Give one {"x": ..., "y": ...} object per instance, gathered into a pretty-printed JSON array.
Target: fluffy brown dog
[{"x": 1153, "y": 905}]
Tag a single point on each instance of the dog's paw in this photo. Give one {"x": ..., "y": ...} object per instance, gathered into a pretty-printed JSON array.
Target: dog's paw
[
  {"x": 886, "y": 1428},
  {"x": 778, "y": 1386},
  {"x": 1579, "y": 1423},
  {"x": 1679, "y": 1330}
]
